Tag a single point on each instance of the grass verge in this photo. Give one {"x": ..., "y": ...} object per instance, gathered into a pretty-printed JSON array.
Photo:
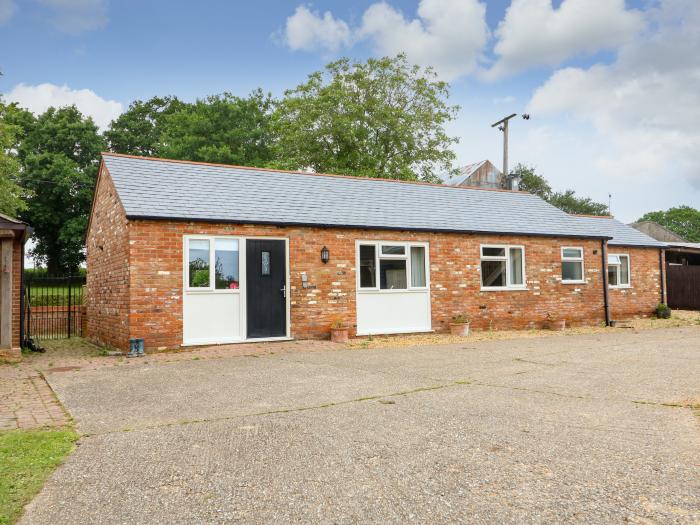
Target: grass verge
[{"x": 27, "y": 459}]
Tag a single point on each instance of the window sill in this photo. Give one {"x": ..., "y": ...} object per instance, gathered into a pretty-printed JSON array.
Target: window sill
[
  {"x": 619, "y": 287},
  {"x": 504, "y": 289},
  {"x": 574, "y": 282},
  {"x": 226, "y": 291}
]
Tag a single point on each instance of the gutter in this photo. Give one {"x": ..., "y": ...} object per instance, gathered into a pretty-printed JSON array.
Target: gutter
[
  {"x": 662, "y": 273},
  {"x": 606, "y": 298}
]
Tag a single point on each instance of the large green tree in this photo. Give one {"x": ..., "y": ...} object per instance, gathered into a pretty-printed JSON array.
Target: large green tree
[
  {"x": 10, "y": 192},
  {"x": 566, "y": 200},
  {"x": 59, "y": 153},
  {"x": 221, "y": 128},
  {"x": 683, "y": 220},
  {"x": 139, "y": 130},
  {"x": 381, "y": 118}
]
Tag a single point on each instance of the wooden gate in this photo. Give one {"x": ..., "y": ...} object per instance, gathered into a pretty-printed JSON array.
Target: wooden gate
[{"x": 683, "y": 287}]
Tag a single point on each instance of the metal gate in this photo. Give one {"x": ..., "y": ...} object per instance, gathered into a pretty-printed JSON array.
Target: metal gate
[
  {"x": 53, "y": 307},
  {"x": 683, "y": 286}
]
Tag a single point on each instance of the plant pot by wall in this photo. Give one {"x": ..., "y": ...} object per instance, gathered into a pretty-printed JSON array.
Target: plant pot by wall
[
  {"x": 459, "y": 329},
  {"x": 339, "y": 335}
]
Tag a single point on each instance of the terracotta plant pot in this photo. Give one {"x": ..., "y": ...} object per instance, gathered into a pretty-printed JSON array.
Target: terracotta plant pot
[
  {"x": 339, "y": 335},
  {"x": 557, "y": 325},
  {"x": 459, "y": 329}
]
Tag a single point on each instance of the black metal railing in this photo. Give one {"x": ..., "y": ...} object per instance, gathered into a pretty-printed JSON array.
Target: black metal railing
[{"x": 53, "y": 307}]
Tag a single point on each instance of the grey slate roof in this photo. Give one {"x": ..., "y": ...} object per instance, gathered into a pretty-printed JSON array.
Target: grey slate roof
[
  {"x": 156, "y": 188},
  {"x": 621, "y": 233}
]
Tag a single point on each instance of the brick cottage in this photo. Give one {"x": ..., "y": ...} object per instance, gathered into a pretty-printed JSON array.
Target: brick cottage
[
  {"x": 185, "y": 253},
  {"x": 13, "y": 235}
]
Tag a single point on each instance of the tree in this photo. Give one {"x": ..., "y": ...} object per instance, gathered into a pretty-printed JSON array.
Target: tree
[
  {"x": 566, "y": 200},
  {"x": 10, "y": 192},
  {"x": 138, "y": 131},
  {"x": 683, "y": 220},
  {"x": 221, "y": 128},
  {"x": 382, "y": 118},
  {"x": 60, "y": 158}
]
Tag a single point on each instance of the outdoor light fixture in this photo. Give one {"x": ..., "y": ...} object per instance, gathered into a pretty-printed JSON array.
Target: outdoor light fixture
[{"x": 325, "y": 255}]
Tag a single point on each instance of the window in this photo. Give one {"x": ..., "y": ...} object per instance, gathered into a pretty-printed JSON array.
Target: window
[
  {"x": 198, "y": 263},
  {"x": 265, "y": 264},
  {"x": 502, "y": 267},
  {"x": 205, "y": 253},
  {"x": 618, "y": 270},
  {"x": 418, "y": 266},
  {"x": 367, "y": 266},
  {"x": 226, "y": 264},
  {"x": 392, "y": 266},
  {"x": 572, "y": 265}
]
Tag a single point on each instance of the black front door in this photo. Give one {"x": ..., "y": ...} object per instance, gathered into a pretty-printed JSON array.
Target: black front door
[{"x": 266, "y": 277}]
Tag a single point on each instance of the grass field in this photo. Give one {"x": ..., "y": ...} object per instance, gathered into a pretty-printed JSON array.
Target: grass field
[
  {"x": 27, "y": 459},
  {"x": 54, "y": 295}
]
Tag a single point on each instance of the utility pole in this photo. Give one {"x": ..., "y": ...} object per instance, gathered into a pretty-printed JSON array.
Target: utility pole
[{"x": 503, "y": 126}]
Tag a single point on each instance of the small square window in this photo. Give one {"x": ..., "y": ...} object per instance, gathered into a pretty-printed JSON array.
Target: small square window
[{"x": 392, "y": 274}]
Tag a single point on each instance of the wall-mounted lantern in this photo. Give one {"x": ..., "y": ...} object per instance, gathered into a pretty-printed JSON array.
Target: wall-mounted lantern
[{"x": 325, "y": 255}]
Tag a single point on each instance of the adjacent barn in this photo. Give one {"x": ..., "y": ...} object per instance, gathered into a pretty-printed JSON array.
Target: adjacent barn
[
  {"x": 185, "y": 253},
  {"x": 13, "y": 235}
]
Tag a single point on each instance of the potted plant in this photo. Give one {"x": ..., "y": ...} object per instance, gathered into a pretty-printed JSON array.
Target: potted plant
[
  {"x": 460, "y": 325},
  {"x": 554, "y": 323},
  {"x": 339, "y": 332}
]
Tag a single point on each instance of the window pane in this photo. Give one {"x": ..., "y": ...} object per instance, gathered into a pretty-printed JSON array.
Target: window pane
[
  {"x": 367, "y": 270},
  {"x": 493, "y": 273},
  {"x": 612, "y": 275},
  {"x": 571, "y": 271},
  {"x": 264, "y": 263},
  {"x": 493, "y": 252},
  {"x": 392, "y": 274},
  {"x": 418, "y": 266},
  {"x": 516, "y": 266},
  {"x": 613, "y": 259},
  {"x": 199, "y": 263},
  {"x": 574, "y": 253},
  {"x": 226, "y": 264},
  {"x": 624, "y": 269},
  {"x": 393, "y": 250}
]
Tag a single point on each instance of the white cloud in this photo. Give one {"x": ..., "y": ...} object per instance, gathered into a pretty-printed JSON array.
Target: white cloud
[
  {"x": 646, "y": 105},
  {"x": 7, "y": 10},
  {"x": 533, "y": 33},
  {"x": 308, "y": 31},
  {"x": 76, "y": 16},
  {"x": 448, "y": 35},
  {"x": 39, "y": 98}
]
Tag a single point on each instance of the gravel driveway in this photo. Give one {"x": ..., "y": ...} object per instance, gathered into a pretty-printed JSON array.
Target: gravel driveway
[{"x": 592, "y": 428}]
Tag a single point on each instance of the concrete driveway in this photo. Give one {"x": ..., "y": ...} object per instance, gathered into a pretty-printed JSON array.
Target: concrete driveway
[{"x": 592, "y": 428}]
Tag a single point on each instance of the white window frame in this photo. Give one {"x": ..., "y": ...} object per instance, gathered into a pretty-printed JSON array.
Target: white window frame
[
  {"x": 506, "y": 258},
  {"x": 212, "y": 260},
  {"x": 619, "y": 266},
  {"x": 393, "y": 257},
  {"x": 573, "y": 259}
]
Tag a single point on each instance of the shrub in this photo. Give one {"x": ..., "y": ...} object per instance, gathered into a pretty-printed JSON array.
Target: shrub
[{"x": 662, "y": 311}]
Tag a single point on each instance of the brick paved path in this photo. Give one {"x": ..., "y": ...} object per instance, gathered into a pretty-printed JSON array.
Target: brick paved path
[{"x": 26, "y": 401}]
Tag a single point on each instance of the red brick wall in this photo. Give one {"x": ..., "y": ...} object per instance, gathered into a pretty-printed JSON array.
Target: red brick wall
[
  {"x": 16, "y": 291},
  {"x": 156, "y": 279},
  {"x": 107, "y": 290},
  {"x": 644, "y": 293}
]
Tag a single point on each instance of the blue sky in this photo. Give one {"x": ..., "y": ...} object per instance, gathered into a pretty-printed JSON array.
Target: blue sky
[{"x": 613, "y": 87}]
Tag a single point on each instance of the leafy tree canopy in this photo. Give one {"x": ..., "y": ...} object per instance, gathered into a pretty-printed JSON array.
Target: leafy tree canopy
[
  {"x": 683, "y": 220},
  {"x": 221, "y": 128},
  {"x": 10, "y": 192},
  {"x": 60, "y": 155},
  {"x": 567, "y": 200},
  {"x": 138, "y": 130},
  {"x": 383, "y": 118}
]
